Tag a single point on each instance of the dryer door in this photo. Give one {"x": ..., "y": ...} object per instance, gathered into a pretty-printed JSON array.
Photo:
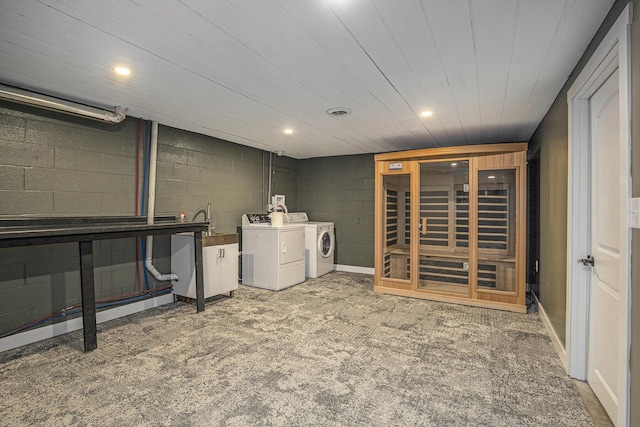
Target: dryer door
[
  {"x": 291, "y": 245},
  {"x": 326, "y": 242}
]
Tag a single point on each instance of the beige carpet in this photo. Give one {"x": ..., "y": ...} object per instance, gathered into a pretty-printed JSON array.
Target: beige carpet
[{"x": 326, "y": 352}]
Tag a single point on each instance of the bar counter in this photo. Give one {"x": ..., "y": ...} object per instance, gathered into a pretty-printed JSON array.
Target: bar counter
[{"x": 28, "y": 231}]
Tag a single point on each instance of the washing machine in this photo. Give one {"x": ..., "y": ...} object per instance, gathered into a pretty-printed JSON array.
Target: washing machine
[
  {"x": 320, "y": 242},
  {"x": 273, "y": 257}
]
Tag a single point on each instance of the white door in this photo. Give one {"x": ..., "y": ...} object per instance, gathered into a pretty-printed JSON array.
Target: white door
[{"x": 606, "y": 304}]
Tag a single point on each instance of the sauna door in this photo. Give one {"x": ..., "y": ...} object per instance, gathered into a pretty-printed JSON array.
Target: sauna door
[{"x": 443, "y": 227}]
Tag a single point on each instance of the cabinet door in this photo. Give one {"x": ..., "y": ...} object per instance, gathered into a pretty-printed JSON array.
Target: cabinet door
[
  {"x": 210, "y": 271},
  {"x": 229, "y": 268}
]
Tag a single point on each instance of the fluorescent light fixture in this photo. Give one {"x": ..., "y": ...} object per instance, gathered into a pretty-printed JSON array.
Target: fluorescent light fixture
[
  {"x": 426, "y": 114},
  {"x": 61, "y": 105},
  {"x": 123, "y": 71},
  {"x": 288, "y": 131},
  {"x": 454, "y": 164},
  {"x": 491, "y": 177}
]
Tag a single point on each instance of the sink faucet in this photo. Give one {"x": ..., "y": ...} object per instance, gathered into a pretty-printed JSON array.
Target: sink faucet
[{"x": 208, "y": 218}]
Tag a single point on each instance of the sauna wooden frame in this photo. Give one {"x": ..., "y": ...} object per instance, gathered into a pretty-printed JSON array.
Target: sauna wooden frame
[{"x": 479, "y": 292}]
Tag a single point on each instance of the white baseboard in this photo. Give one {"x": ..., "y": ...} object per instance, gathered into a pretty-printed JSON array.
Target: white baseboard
[
  {"x": 354, "y": 269},
  {"x": 50, "y": 331},
  {"x": 557, "y": 344}
]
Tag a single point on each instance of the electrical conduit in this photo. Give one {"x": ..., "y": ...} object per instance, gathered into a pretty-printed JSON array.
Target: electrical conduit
[
  {"x": 151, "y": 207},
  {"x": 139, "y": 136}
]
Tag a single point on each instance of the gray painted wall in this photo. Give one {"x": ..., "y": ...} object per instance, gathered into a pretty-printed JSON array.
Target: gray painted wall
[
  {"x": 551, "y": 139},
  {"x": 340, "y": 189},
  {"x": 55, "y": 164}
]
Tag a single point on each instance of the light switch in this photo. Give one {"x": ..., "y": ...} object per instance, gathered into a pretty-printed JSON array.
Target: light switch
[{"x": 635, "y": 212}]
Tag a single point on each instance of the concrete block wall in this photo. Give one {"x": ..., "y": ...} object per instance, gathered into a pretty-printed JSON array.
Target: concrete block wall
[
  {"x": 53, "y": 164},
  {"x": 284, "y": 179},
  {"x": 341, "y": 189}
]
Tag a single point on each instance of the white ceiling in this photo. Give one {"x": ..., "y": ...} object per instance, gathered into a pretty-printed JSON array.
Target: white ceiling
[{"x": 244, "y": 70}]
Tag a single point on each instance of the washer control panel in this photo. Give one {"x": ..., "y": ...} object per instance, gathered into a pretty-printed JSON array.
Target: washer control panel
[{"x": 296, "y": 217}]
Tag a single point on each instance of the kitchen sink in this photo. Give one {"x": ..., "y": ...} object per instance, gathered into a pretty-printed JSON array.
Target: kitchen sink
[{"x": 217, "y": 239}]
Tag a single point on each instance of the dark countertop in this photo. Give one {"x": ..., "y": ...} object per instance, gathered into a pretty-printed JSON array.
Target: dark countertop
[{"x": 25, "y": 231}]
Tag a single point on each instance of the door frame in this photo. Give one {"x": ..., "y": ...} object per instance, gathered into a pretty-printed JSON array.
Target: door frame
[{"x": 613, "y": 52}]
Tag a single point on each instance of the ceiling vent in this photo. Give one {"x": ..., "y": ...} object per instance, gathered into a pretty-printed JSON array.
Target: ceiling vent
[{"x": 338, "y": 111}]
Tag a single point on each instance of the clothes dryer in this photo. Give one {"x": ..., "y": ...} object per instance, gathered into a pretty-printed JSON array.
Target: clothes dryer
[
  {"x": 319, "y": 244},
  {"x": 272, "y": 257}
]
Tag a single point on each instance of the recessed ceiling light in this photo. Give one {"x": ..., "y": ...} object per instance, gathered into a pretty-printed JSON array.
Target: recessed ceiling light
[
  {"x": 288, "y": 131},
  {"x": 123, "y": 71},
  {"x": 426, "y": 114}
]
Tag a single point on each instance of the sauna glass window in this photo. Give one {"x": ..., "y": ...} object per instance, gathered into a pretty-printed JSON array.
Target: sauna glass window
[
  {"x": 396, "y": 226},
  {"x": 497, "y": 230},
  {"x": 443, "y": 226}
]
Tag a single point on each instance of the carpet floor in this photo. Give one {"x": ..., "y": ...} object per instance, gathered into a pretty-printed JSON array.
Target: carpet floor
[{"x": 326, "y": 352}]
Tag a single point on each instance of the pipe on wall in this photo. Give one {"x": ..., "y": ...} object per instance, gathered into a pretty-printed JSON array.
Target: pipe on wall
[
  {"x": 270, "y": 174},
  {"x": 153, "y": 154},
  {"x": 61, "y": 105}
]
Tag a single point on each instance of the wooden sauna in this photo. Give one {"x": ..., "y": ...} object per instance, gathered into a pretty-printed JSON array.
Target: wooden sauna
[{"x": 450, "y": 224}]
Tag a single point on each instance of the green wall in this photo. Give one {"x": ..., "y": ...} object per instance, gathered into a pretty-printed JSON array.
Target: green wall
[
  {"x": 340, "y": 189},
  {"x": 550, "y": 141}
]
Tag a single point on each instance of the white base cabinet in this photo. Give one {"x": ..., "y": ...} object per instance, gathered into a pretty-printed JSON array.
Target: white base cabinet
[
  {"x": 223, "y": 267},
  {"x": 220, "y": 267}
]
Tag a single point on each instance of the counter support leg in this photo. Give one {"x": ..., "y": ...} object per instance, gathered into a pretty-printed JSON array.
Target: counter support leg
[
  {"x": 89, "y": 323},
  {"x": 197, "y": 236}
]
